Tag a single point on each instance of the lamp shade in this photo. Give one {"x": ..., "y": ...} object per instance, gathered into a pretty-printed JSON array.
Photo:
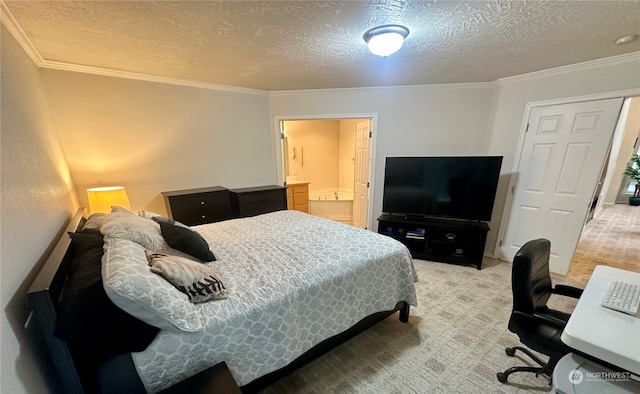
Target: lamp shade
[
  {"x": 102, "y": 198},
  {"x": 385, "y": 40}
]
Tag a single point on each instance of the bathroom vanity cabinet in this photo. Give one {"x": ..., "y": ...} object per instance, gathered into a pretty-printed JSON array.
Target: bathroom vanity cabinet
[{"x": 298, "y": 196}]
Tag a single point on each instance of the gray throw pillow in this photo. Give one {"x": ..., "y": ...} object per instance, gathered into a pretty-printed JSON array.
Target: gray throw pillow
[{"x": 198, "y": 281}]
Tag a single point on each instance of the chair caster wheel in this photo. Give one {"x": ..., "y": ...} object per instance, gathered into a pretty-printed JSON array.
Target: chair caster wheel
[
  {"x": 502, "y": 377},
  {"x": 511, "y": 351}
]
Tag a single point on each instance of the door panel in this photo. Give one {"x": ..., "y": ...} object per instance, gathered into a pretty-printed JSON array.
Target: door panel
[
  {"x": 562, "y": 156},
  {"x": 361, "y": 176}
]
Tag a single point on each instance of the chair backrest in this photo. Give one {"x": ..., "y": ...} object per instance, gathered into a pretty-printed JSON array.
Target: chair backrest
[{"x": 530, "y": 278}]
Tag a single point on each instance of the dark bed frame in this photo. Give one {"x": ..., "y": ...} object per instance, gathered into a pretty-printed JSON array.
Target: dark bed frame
[{"x": 118, "y": 374}]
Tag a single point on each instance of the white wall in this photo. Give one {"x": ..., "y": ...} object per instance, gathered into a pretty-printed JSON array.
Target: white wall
[
  {"x": 37, "y": 202},
  {"x": 151, "y": 137},
  {"x": 513, "y": 95},
  {"x": 416, "y": 120}
]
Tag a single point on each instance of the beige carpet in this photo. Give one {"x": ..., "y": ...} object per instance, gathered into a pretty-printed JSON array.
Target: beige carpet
[
  {"x": 611, "y": 238},
  {"x": 453, "y": 343},
  {"x": 455, "y": 339}
]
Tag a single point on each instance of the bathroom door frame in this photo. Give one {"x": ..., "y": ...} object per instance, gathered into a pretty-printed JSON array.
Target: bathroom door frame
[{"x": 279, "y": 138}]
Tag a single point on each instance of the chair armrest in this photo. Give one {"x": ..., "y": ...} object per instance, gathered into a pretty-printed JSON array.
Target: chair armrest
[
  {"x": 549, "y": 320},
  {"x": 537, "y": 319},
  {"x": 568, "y": 291}
]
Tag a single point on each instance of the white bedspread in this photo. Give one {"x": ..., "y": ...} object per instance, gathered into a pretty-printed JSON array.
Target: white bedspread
[{"x": 293, "y": 280}]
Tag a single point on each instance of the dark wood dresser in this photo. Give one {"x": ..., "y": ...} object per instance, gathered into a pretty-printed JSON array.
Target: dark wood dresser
[
  {"x": 251, "y": 201},
  {"x": 199, "y": 206}
]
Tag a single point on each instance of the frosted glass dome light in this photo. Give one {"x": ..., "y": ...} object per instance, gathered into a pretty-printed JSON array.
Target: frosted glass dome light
[{"x": 385, "y": 40}]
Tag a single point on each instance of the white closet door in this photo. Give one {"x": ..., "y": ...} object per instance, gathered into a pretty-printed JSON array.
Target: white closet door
[{"x": 563, "y": 154}]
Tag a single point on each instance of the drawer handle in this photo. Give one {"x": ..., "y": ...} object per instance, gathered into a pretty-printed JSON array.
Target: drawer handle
[
  {"x": 201, "y": 202},
  {"x": 203, "y": 216},
  {"x": 450, "y": 236}
]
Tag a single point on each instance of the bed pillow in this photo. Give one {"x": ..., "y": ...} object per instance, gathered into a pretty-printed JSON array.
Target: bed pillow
[
  {"x": 88, "y": 321},
  {"x": 162, "y": 219},
  {"x": 148, "y": 214},
  {"x": 118, "y": 208},
  {"x": 199, "y": 282},
  {"x": 84, "y": 267},
  {"x": 94, "y": 221},
  {"x": 159, "y": 218},
  {"x": 186, "y": 240},
  {"x": 132, "y": 286},
  {"x": 126, "y": 225}
]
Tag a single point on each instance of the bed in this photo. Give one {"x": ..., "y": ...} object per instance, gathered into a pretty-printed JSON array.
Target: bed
[{"x": 295, "y": 286}]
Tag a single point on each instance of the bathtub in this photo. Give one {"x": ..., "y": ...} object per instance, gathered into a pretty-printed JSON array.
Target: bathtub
[{"x": 323, "y": 203}]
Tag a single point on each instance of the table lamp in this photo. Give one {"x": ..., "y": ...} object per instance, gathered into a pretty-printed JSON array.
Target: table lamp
[{"x": 102, "y": 198}]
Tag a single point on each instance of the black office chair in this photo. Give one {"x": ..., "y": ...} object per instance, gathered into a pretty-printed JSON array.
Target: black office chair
[{"x": 538, "y": 327}]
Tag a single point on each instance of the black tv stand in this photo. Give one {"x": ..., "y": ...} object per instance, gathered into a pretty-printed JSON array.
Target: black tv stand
[
  {"x": 413, "y": 217},
  {"x": 436, "y": 239}
]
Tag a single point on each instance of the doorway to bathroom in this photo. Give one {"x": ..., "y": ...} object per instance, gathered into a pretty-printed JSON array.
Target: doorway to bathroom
[{"x": 332, "y": 157}]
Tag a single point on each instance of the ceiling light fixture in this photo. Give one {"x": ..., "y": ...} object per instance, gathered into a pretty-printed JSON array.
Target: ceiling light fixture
[{"x": 385, "y": 40}]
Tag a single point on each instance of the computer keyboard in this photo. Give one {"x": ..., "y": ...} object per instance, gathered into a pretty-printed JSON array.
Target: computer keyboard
[{"x": 623, "y": 297}]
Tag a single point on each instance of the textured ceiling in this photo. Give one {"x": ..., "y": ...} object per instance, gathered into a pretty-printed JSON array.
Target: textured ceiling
[{"x": 289, "y": 45}]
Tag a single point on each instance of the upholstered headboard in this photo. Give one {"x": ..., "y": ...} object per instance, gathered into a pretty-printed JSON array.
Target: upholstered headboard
[{"x": 44, "y": 295}]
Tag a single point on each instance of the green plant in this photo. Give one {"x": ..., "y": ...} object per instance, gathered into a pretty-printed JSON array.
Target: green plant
[{"x": 633, "y": 172}]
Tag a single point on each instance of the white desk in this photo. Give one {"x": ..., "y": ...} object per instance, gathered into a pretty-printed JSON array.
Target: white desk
[
  {"x": 603, "y": 333},
  {"x": 567, "y": 367}
]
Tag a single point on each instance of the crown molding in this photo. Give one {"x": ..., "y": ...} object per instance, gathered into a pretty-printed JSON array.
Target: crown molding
[
  {"x": 7, "y": 18},
  {"x": 10, "y": 22},
  {"x": 148, "y": 78},
  {"x": 607, "y": 61},
  {"x": 443, "y": 86}
]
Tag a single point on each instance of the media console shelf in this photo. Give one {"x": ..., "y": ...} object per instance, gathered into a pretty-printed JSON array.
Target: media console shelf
[{"x": 446, "y": 240}]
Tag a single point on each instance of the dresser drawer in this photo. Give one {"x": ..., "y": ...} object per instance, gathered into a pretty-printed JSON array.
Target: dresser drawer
[
  {"x": 253, "y": 201},
  {"x": 193, "y": 207}
]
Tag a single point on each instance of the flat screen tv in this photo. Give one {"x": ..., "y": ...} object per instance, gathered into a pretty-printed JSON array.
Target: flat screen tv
[{"x": 458, "y": 187}]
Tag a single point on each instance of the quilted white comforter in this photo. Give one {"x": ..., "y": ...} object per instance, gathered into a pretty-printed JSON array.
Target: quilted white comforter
[{"x": 293, "y": 280}]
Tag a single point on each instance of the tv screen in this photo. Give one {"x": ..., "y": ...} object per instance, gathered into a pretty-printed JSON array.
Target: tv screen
[{"x": 460, "y": 187}]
